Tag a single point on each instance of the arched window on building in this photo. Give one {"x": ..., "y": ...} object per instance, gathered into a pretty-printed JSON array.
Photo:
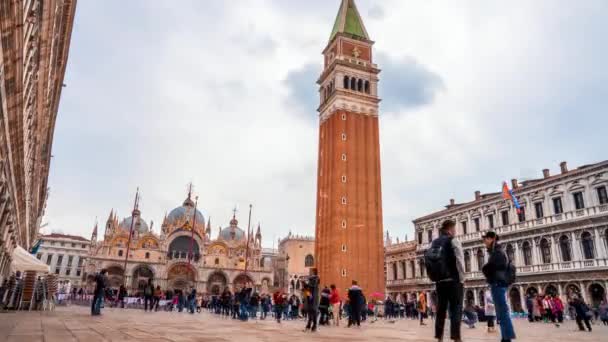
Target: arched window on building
[
  {"x": 360, "y": 85},
  {"x": 402, "y": 264},
  {"x": 511, "y": 253},
  {"x": 527, "y": 250},
  {"x": 147, "y": 255},
  {"x": 545, "y": 251},
  {"x": 587, "y": 242},
  {"x": 309, "y": 261},
  {"x": 367, "y": 90},
  {"x": 217, "y": 261},
  {"x": 564, "y": 247},
  {"x": 353, "y": 83},
  {"x": 120, "y": 253},
  {"x": 413, "y": 268},
  {"x": 394, "y": 270},
  {"x": 346, "y": 82},
  {"x": 480, "y": 259},
  {"x": 467, "y": 261}
]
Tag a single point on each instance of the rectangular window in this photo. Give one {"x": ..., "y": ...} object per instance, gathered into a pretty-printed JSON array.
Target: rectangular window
[
  {"x": 420, "y": 238},
  {"x": 39, "y": 256},
  {"x": 73, "y": 245},
  {"x": 78, "y": 272},
  {"x": 557, "y": 205},
  {"x": 579, "y": 202},
  {"x": 464, "y": 227},
  {"x": 57, "y": 270},
  {"x": 70, "y": 259},
  {"x": 84, "y": 246},
  {"x": 430, "y": 235},
  {"x": 505, "y": 217},
  {"x": 522, "y": 214},
  {"x": 602, "y": 195},
  {"x": 68, "y": 271},
  {"x": 59, "y": 259},
  {"x": 538, "y": 207},
  {"x": 80, "y": 262},
  {"x": 491, "y": 221},
  {"x": 49, "y": 258},
  {"x": 476, "y": 222}
]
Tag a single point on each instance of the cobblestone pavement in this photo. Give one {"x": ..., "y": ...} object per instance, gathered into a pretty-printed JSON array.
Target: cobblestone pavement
[{"x": 75, "y": 324}]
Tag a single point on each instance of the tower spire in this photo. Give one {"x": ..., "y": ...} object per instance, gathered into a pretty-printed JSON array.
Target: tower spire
[{"x": 349, "y": 22}]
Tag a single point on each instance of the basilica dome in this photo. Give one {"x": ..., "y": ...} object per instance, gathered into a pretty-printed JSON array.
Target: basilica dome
[
  {"x": 140, "y": 224},
  {"x": 180, "y": 215},
  {"x": 232, "y": 233}
]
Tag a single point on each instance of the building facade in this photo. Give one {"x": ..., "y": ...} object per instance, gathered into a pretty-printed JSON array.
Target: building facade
[
  {"x": 349, "y": 203},
  {"x": 66, "y": 256},
  {"x": 558, "y": 242},
  {"x": 35, "y": 38},
  {"x": 296, "y": 257},
  {"x": 184, "y": 254}
]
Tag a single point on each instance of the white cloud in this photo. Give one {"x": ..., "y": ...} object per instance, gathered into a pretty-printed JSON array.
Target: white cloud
[{"x": 160, "y": 95}]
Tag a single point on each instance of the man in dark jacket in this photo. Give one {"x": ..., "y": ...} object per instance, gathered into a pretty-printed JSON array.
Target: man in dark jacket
[
  {"x": 497, "y": 275},
  {"x": 581, "y": 310},
  {"x": 356, "y": 302},
  {"x": 313, "y": 300},
  {"x": 450, "y": 289},
  {"x": 100, "y": 289}
]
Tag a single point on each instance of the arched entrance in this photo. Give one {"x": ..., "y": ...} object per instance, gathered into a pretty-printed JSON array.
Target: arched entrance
[
  {"x": 572, "y": 290},
  {"x": 597, "y": 294},
  {"x": 115, "y": 276},
  {"x": 141, "y": 275},
  {"x": 515, "y": 300},
  {"x": 216, "y": 283},
  {"x": 551, "y": 290},
  {"x": 182, "y": 246},
  {"x": 469, "y": 297},
  {"x": 181, "y": 277},
  {"x": 531, "y": 291},
  {"x": 241, "y": 280}
]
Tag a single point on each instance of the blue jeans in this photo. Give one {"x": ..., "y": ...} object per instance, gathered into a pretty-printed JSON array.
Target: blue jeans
[
  {"x": 499, "y": 295},
  {"x": 96, "y": 305},
  {"x": 244, "y": 312}
]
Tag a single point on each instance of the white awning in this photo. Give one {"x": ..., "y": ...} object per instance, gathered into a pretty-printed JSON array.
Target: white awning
[{"x": 24, "y": 261}]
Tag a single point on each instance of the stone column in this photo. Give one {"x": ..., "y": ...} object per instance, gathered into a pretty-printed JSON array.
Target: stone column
[
  {"x": 583, "y": 291},
  {"x": 535, "y": 258},
  {"x": 599, "y": 245},
  {"x": 517, "y": 257},
  {"x": 522, "y": 298},
  {"x": 576, "y": 248},
  {"x": 475, "y": 299},
  {"x": 554, "y": 253}
]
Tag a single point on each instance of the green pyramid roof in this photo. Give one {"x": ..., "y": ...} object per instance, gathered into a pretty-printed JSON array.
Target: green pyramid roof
[{"x": 349, "y": 21}]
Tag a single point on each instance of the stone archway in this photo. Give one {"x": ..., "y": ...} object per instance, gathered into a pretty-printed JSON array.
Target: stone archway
[
  {"x": 216, "y": 283},
  {"x": 597, "y": 294},
  {"x": 469, "y": 297},
  {"x": 571, "y": 290},
  {"x": 551, "y": 290},
  {"x": 240, "y": 281},
  {"x": 181, "y": 277},
  {"x": 531, "y": 291},
  {"x": 515, "y": 300},
  {"x": 115, "y": 276},
  {"x": 141, "y": 275}
]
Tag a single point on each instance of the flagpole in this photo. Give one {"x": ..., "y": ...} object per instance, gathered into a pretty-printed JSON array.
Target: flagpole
[
  {"x": 135, "y": 205},
  {"x": 190, "y": 255},
  {"x": 248, "y": 236}
]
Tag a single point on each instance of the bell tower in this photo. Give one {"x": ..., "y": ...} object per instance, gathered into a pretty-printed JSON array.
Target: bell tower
[{"x": 349, "y": 237}]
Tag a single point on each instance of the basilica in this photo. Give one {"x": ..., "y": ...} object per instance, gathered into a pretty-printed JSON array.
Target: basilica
[{"x": 185, "y": 253}]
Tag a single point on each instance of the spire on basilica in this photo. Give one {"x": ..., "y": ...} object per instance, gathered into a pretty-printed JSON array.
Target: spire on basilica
[
  {"x": 109, "y": 225},
  {"x": 388, "y": 241},
  {"x": 258, "y": 236},
  {"x": 94, "y": 235},
  {"x": 208, "y": 229},
  {"x": 349, "y": 22}
]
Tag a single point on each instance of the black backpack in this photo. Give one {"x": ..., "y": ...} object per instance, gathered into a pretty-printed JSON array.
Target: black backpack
[
  {"x": 510, "y": 273},
  {"x": 436, "y": 259}
]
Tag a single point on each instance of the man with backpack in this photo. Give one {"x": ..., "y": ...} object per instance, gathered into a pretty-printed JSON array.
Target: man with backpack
[
  {"x": 499, "y": 273},
  {"x": 444, "y": 262}
]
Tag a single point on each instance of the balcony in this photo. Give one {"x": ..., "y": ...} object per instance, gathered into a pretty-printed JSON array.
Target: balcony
[{"x": 535, "y": 223}]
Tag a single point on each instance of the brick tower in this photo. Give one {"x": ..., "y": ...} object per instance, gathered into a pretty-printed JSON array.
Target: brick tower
[{"x": 349, "y": 243}]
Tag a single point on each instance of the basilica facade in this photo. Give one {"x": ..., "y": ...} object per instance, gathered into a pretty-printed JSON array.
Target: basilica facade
[
  {"x": 186, "y": 253},
  {"x": 558, "y": 241}
]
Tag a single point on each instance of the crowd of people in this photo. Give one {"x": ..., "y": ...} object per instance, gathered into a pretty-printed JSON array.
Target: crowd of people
[{"x": 323, "y": 306}]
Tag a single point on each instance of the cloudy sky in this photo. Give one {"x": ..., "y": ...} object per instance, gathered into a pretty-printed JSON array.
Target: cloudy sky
[{"x": 222, "y": 94}]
